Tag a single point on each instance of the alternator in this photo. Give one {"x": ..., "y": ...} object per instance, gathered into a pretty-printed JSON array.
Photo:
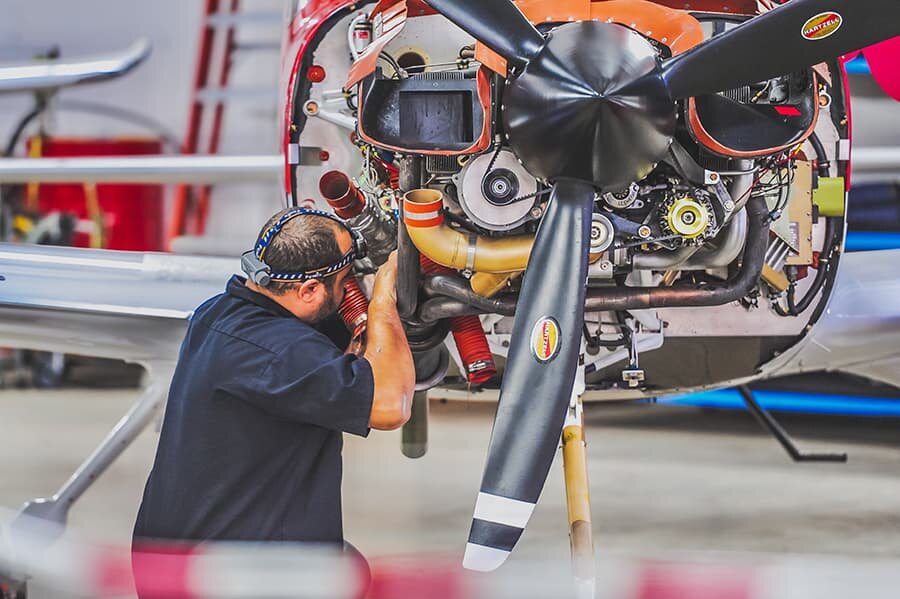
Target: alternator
[
  {"x": 498, "y": 199},
  {"x": 690, "y": 218}
]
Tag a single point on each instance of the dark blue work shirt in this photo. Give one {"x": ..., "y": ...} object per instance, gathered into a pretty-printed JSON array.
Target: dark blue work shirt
[{"x": 250, "y": 447}]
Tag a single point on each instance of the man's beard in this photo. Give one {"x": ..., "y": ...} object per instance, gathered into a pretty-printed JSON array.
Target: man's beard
[{"x": 328, "y": 307}]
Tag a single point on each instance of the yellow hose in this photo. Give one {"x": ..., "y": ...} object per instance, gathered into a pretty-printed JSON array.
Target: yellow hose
[{"x": 424, "y": 220}]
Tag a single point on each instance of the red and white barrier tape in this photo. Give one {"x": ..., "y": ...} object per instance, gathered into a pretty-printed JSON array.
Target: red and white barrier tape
[{"x": 230, "y": 570}]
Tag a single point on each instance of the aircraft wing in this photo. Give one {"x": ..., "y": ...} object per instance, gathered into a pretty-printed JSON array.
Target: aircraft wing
[
  {"x": 127, "y": 305},
  {"x": 859, "y": 333},
  {"x": 53, "y": 74}
]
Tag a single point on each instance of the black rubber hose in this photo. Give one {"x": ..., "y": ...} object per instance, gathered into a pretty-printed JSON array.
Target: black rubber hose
[
  {"x": 831, "y": 230},
  {"x": 631, "y": 298},
  {"x": 828, "y": 247},
  {"x": 438, "y": 308},
  {"x": 20, "y": 128},
  {"x": 596, "y": 342},
  {"x": 407, "y": 254},
  {"x": 456, "y": 288},
  {"x": 823, "y": 164},
  {"x": 126, "y": 116}
]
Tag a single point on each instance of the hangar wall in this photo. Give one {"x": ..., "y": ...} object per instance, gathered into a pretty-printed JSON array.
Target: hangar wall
[{"x": 161, "y": 87}]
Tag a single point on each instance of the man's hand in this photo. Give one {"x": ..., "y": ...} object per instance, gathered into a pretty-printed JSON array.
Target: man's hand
[{"x": 385, "y": 288}]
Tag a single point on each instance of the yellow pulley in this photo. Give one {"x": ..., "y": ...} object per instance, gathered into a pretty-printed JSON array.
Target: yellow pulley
[{"x": 687, "y": 217}]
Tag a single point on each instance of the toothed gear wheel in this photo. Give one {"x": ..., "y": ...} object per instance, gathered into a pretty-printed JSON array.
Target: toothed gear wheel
[{"x": 690, "y": 217}]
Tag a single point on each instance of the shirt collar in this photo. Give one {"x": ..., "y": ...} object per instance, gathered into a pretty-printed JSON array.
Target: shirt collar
[{"x": 236, "y": 287}]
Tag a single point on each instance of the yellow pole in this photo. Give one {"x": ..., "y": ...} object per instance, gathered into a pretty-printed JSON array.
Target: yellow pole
[
  {"x": 32, "y": 198},
  {"x": 578, "y": 500}
]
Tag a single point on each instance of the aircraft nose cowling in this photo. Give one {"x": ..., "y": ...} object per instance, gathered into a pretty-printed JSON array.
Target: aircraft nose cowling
[
  {"x": 884, "y": 60},
  {"x": 592, "y": 106}
]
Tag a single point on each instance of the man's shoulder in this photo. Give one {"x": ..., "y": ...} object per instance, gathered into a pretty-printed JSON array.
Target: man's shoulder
[{"x": 242, "y": 321}]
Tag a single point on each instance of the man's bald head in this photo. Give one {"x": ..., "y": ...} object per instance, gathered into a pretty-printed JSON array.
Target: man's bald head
[{"x": 304, "y": 243}]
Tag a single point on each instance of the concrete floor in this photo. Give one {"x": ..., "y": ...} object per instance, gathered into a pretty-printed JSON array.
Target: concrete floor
[{"x": 663, "y": 479}]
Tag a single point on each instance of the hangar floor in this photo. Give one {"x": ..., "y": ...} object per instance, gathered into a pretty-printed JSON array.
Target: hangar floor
[{"x": 663, "y": 479}]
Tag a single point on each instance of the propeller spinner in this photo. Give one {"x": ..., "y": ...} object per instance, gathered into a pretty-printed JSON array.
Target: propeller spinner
[{"x": 592, "y": 105}]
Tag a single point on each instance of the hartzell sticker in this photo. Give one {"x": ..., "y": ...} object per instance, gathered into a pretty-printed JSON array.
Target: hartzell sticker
[
  {"x": 545, "y": 339},
  {"x": 822, "y": 25}
]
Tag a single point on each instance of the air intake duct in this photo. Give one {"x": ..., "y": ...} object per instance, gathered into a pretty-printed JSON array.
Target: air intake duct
[{"x": 349, "y": 203}]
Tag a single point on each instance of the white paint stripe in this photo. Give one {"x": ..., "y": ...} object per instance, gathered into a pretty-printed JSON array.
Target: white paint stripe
[
  {"x": 503, "y": 510},
  {"x": 483, "y": 559},
  {"x": 420, "y": 215}
]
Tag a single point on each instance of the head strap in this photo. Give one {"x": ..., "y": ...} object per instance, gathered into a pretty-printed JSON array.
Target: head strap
[{"x": 256, "y": 269}]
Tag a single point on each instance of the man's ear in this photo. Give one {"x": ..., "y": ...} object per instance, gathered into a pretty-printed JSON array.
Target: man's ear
[{"x": 308, "y": 290}]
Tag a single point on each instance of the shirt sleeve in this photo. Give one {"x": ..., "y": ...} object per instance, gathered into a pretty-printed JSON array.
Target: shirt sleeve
[{"x": 314, "y": 382}]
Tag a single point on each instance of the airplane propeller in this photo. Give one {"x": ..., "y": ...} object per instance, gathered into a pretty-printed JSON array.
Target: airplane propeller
[
  {"x": 798, "y": 34},
  {"x": 590, "y": 104},
  {"x": 538, "y": 378}
]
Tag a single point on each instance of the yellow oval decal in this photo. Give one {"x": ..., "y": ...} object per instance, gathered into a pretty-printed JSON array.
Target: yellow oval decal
[
  {"x": 822, "y": 25},
  {"x": 545, "y": 339}
]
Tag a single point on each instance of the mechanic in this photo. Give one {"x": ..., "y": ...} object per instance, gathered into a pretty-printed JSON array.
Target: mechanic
[{"x": 250, "y": 447}]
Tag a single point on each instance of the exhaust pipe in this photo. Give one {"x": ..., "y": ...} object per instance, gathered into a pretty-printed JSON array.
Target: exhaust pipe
[{"x": 450, "y": 297}]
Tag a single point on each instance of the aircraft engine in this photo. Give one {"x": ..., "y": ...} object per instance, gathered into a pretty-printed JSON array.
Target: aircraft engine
[{"x": 645, "y": 188}]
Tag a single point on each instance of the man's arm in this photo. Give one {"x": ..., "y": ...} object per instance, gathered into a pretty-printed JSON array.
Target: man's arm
[{"x": 387, "y": 351}]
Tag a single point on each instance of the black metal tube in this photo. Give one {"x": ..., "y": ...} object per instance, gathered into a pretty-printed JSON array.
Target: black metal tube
[
  {"x": 407, "y": 254},
  {"x": 414, "y": 439},
  {"x": 631, "y": 298},
  {"x": 459, "y": 299},
  {"x": 769, "y": 423}
]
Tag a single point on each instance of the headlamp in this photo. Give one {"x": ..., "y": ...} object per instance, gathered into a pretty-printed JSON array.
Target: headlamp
[{"x": 254, "y": 266}]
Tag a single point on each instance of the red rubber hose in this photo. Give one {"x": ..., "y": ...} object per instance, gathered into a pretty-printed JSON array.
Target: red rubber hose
[
  {"x": 354, "y": 310},
  {"x": 471, "y": 342}
]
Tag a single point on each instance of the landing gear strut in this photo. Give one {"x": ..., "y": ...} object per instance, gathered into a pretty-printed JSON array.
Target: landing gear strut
[{"x": 578, "y": 492}]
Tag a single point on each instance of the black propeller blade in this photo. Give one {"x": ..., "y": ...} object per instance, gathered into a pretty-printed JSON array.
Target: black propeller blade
[
  {"x": 793, "y": 36},
  {"x": 498, "y": 24},
  {"x": 537, "y": 383}
]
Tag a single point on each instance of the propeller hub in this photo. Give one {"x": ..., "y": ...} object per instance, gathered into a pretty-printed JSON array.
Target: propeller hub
[{"x": 591, "y": 106}]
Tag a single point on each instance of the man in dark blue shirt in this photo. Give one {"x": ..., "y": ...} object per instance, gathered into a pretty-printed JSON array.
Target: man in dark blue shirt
[{"x": 250, "y": 447}]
